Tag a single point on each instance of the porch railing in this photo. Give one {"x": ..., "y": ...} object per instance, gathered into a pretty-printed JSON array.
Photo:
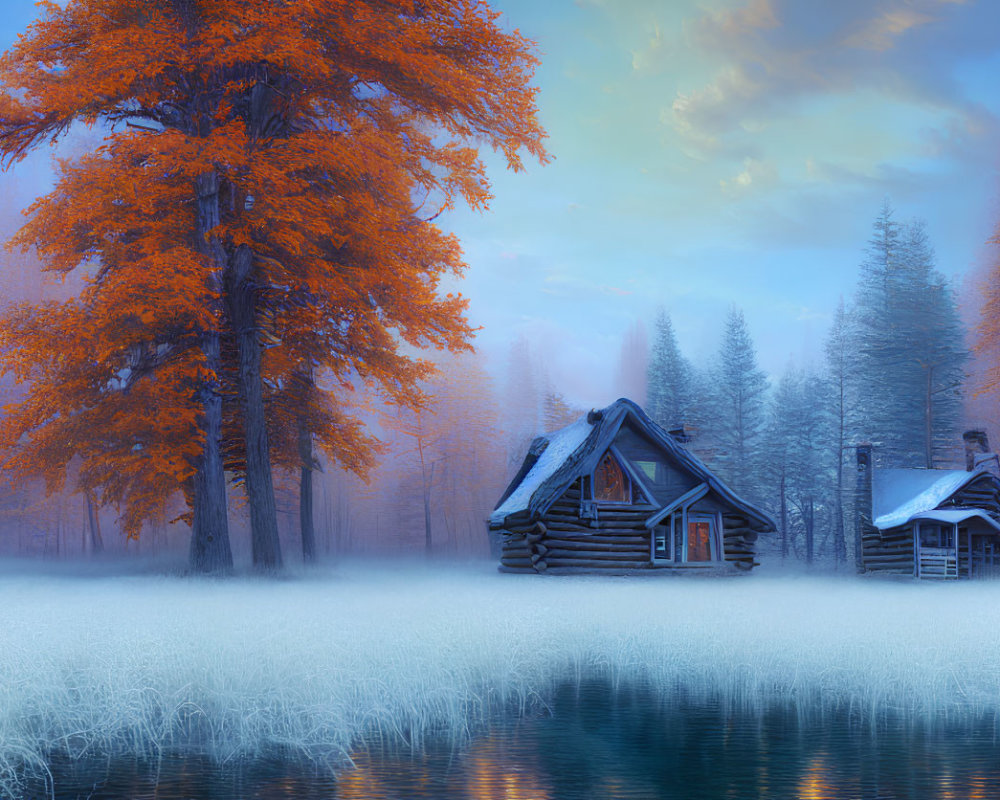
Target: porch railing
[{"x": 938, "y": 562}]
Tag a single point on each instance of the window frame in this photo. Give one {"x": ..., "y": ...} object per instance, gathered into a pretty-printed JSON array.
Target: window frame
[
  {"x": 638, "y": 495},
  {"x": 625, "y": 474},
  {"x": 717, "y": 553},
  {"x": 670, "y": 541}
]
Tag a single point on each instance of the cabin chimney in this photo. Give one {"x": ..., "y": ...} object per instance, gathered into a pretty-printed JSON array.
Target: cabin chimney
[
  {"x": 977, "y": 446},
  {"x": 680, "y": 435},
  {"x": 862, "y": 503}
]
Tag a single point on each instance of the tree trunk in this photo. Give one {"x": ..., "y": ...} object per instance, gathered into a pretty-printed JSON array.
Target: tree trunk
[
  {"x": 783, "y": 500},
  {"x": 929, "y": 418},
  {"x": 839, "y": 534},
  {"x": 306, "y": 516},
  {"x": 96, "y": 541},
  {"x": 810, "y": 530},
  {"x": 210, "y": 550},
  {"x": 428, "y": 540},
  {"x": 241, "y": 302},
  {"x": 306, "y": 523}
]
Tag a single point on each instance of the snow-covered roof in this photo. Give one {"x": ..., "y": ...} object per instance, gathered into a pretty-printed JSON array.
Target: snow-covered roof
[
  {"x": 561, "y": 445},
  {"x": 900, "y": 495},
  {"x": 556, "y": 459},
  {"x": 956, "y": 516}
]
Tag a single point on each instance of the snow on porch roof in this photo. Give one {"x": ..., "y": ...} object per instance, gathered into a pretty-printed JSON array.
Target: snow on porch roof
[
  {"x": 899, "y": 495},
  {"x": 561, "y": 445},
  {"x": 957, "y": 516}
]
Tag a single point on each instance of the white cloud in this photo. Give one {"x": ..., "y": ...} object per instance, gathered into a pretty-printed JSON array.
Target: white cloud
[{"x": 755, "y": 175}]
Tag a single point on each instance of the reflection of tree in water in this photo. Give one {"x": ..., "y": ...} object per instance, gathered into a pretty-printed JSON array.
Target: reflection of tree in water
[{"x": 597, "y": 743}]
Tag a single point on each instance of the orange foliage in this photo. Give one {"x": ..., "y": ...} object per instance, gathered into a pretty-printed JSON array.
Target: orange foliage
[{"x": 337, "y": 131}]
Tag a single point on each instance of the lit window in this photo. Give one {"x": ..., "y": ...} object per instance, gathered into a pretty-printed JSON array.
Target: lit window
[
  {"x": 611, "y": 484},
  {"x": 701, "y": 542}
]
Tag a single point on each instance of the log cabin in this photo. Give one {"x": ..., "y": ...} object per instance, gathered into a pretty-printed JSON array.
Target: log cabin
[
  {"x": 615, "y": 493},
  {"x": 932, "y": 524}
]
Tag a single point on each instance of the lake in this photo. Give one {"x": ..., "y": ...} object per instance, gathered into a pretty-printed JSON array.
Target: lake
[
  {"x": 458, "y": 682},
  {"x": 592, "y": 742}
]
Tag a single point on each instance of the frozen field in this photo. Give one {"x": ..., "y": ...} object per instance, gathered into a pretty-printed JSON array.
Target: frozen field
[{"x": 138, "y": 664}]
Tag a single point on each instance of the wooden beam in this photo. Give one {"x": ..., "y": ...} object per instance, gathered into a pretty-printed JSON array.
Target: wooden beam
[{"x": 681, "y": 502}]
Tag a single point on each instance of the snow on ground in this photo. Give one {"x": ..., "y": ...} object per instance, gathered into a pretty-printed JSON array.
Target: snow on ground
[{"x": 140, "y": 663}]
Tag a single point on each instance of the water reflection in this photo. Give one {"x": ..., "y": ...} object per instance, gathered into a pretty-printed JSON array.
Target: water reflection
[{"x": 594, "y": 742}]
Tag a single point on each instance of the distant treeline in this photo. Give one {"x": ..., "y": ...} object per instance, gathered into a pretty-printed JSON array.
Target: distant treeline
[{"x": 893, "y": 375}]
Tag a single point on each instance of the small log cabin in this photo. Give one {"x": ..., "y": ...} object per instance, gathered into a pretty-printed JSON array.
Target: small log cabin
[
  {"x": 615, "y": 493},
  {"x": 935, "y": 524}
]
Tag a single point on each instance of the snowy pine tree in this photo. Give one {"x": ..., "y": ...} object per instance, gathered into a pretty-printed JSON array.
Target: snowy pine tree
[
  {"x": 738, "y": 408},
  {"x": 812, "y": 464},
  {"x": 669, "y": 376},
  {"x": 910, "y": 349},
  {"x": 840, "y": 369},
  {"x": 800, "y": 464}
]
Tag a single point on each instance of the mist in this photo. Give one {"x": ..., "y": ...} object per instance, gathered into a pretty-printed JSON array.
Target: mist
[{"x": 324, "y": 663}]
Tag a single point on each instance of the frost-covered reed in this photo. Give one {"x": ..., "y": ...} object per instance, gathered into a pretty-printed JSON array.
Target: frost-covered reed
[{"x": 317, "y": 663}]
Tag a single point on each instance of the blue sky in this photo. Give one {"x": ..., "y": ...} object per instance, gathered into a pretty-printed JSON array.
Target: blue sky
[{"x": 711, "y": 152}]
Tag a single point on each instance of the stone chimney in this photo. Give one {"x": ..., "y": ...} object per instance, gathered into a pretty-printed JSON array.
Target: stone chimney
[
  {"x": 977, "y": 450},
  {"x": 862, "y": 502}
]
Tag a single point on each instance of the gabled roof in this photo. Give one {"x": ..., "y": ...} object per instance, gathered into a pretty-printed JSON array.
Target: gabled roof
[
  {"x": 556, "y": 459},
  {"x": 902, "y": 495}
]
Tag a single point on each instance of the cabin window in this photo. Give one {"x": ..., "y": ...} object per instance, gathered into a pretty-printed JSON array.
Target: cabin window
[
  {"x": 652, "y": 466},
  {"x": 611, "y": 484},
  {"x": 648, "y": 469},
  {"x": 936, "y": 535},
  {"x": 663, "y": 542},
  {"x": 701, "y": 544}
]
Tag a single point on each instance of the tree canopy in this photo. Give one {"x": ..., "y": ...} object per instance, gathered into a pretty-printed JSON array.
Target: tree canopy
[{"x": 261, "y": 212}]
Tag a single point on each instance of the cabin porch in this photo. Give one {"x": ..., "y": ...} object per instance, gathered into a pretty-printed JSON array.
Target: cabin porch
[{"x": 948, "y": 550}]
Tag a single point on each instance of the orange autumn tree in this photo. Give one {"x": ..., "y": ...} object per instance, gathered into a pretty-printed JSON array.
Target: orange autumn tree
[{"x": 308, "y": 148}]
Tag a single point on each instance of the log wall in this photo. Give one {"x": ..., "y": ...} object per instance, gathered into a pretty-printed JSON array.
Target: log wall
[
  {"x": 889, "y": 552},
  {"x": 892, "y": 551},
  {"x": 982, "y": 494},
  {"x": 738, "y": 540},
  {"x": 618, "y": 542}
]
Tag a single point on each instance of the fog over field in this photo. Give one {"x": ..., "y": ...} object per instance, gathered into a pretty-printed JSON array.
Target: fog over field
[{"x": 140, "y": 664}]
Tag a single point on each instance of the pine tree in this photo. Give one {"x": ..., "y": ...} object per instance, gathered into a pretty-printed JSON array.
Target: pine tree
[
  {"x": 777, "y": 465},
  {"x": 939, "y": 354},
  {"x": 800, "y": 465},
  {"x": 840, "y": 366},
  {"x": 740, "y": 391},
  {"x": 669, "y": 377},
  {"x": 910, "y": 350},
  {"x": 811, "y": 459}
]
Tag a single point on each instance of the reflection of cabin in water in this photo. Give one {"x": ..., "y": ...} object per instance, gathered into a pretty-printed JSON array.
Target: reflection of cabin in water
[
  {"x": 614, "y": 492},
  {"x": 931, "y": 523}
]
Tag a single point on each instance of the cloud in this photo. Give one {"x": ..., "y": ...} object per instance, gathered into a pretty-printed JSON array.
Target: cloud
[
  {"x": 651, "y": 53},
  {"x": 756, "y": 175},
  {"x": 777, "y": 54},
  {"x": 881, "y": 33},
  {"x": 702, "y": 116}
]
